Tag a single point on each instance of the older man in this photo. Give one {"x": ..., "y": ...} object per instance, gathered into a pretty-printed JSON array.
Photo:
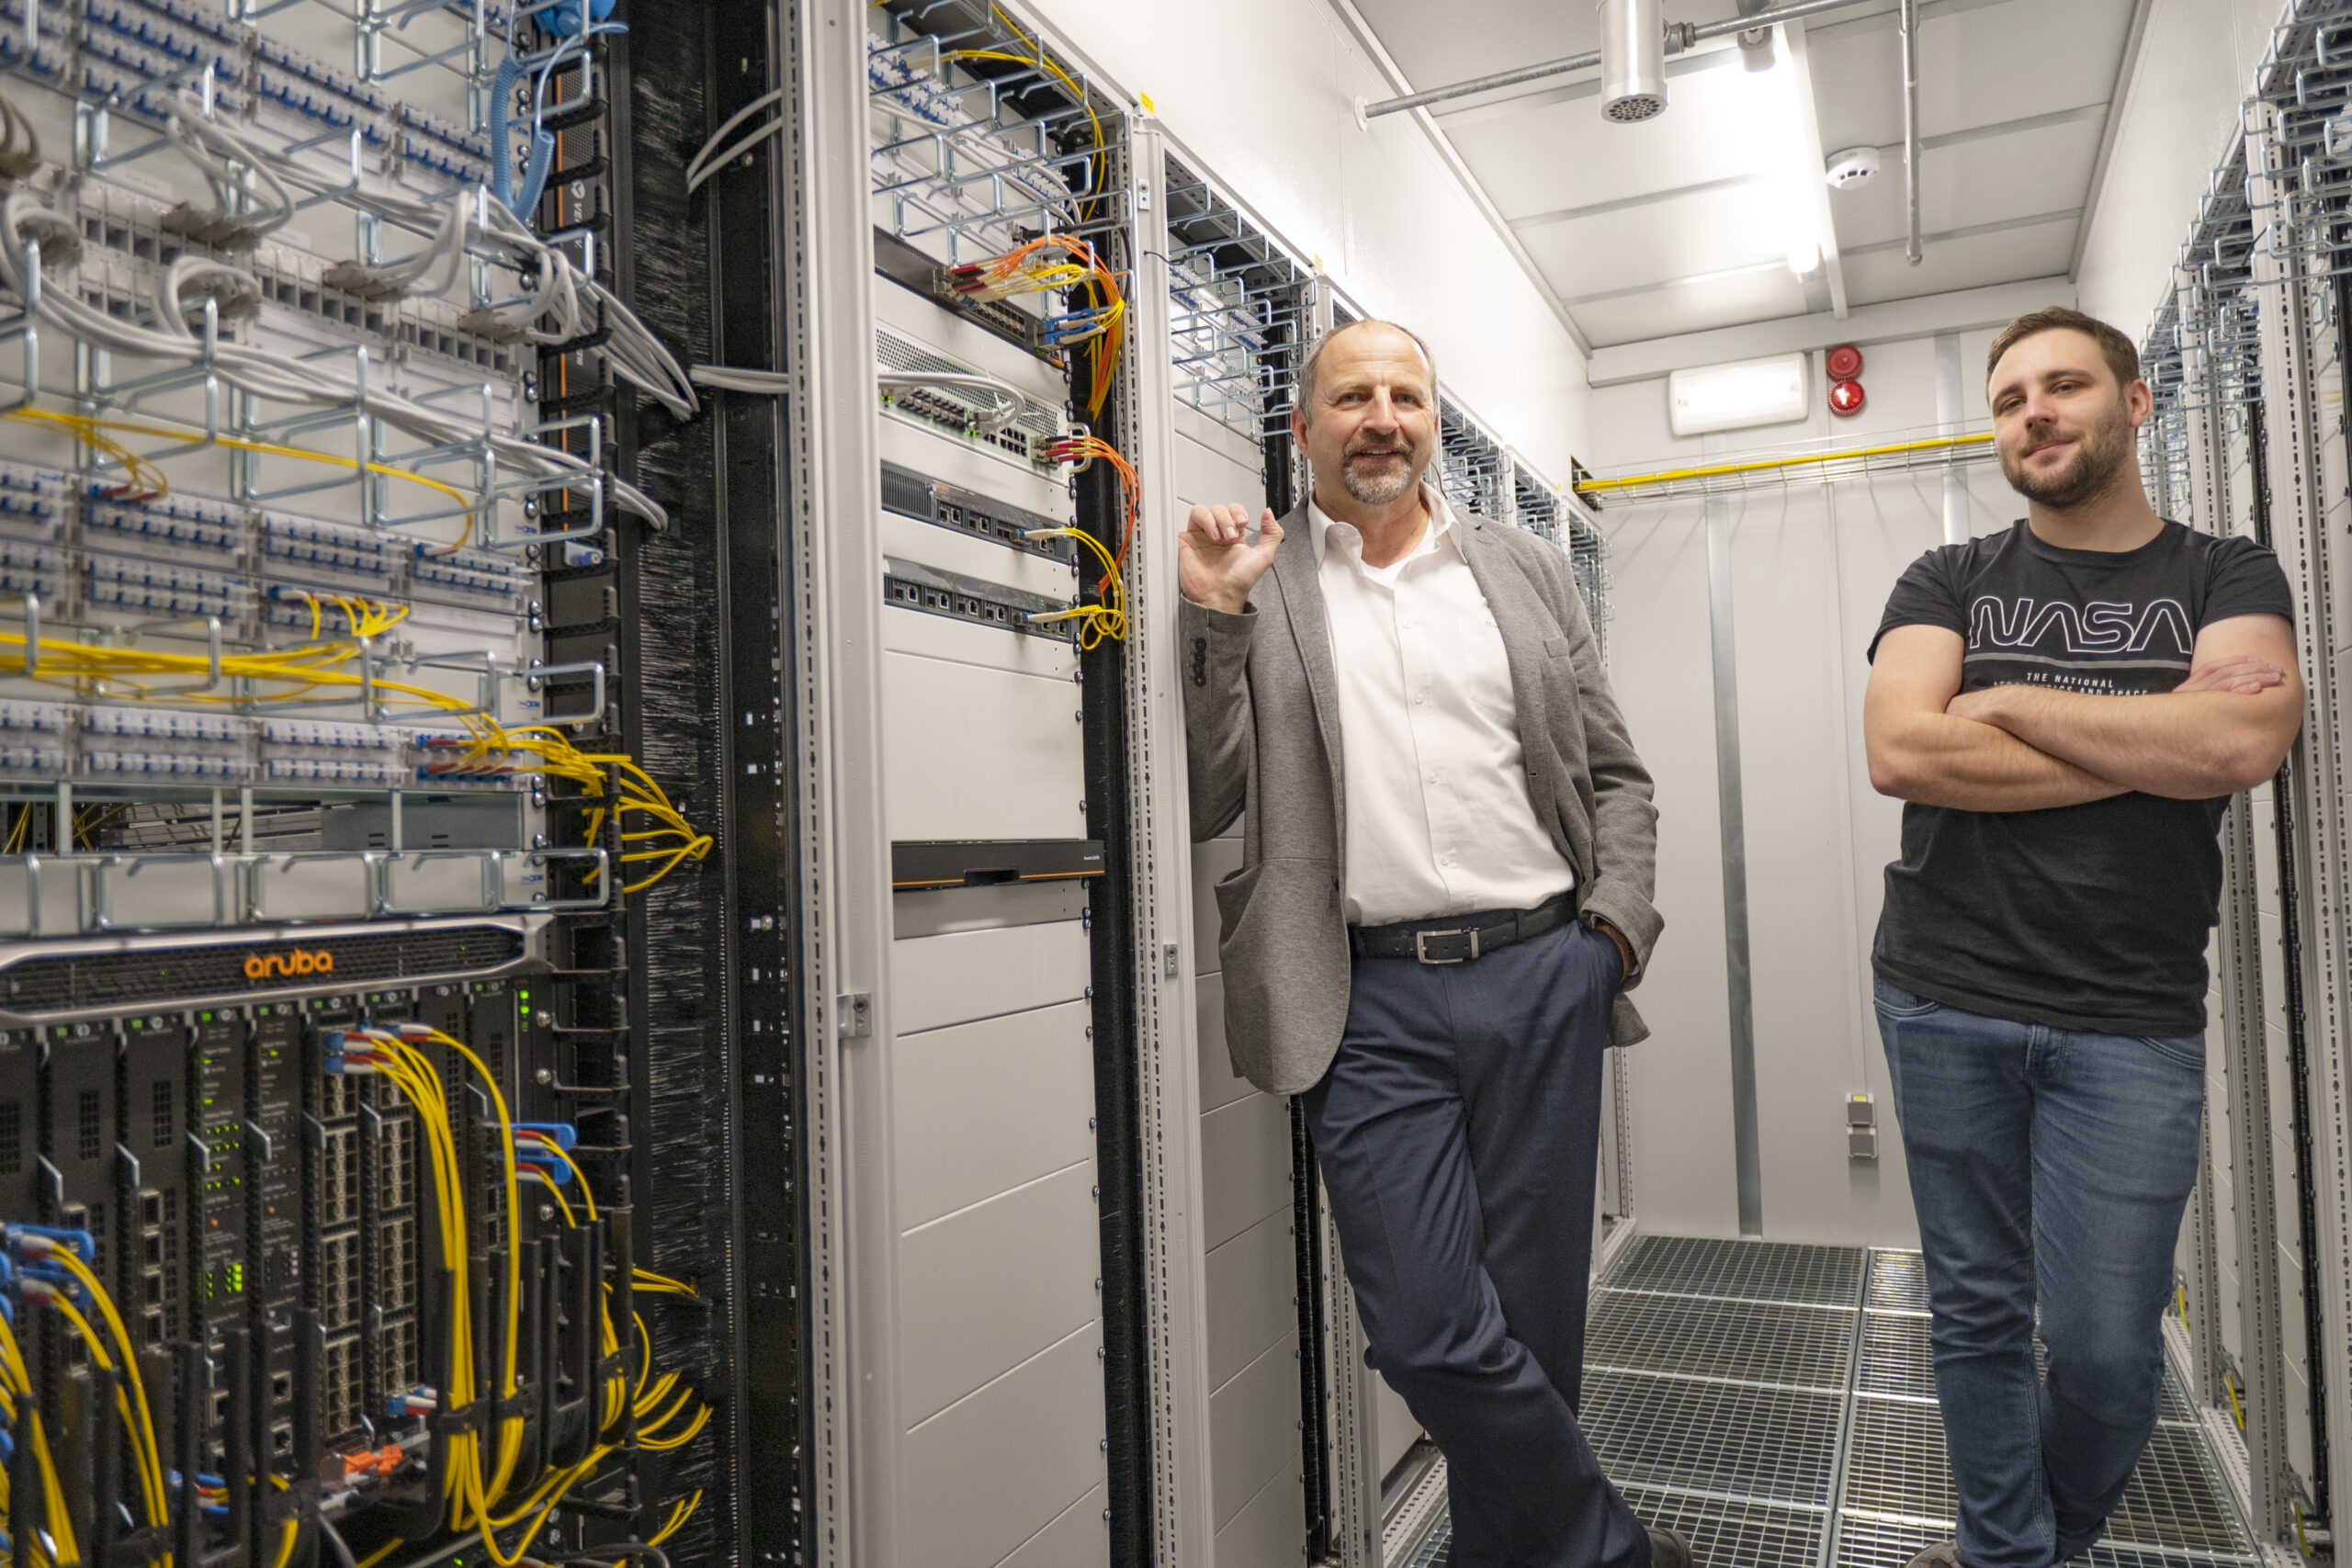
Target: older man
[{"x": 1445, "y": 887}]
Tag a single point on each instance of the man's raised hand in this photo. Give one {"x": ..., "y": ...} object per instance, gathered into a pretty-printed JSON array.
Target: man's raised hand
[{"x": 1216, "y": 564}]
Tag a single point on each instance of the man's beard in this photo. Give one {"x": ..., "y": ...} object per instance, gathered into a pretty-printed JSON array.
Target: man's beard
[
  {"x": 1376, "y": 491},
  {"x": 2100, "y": 453}
]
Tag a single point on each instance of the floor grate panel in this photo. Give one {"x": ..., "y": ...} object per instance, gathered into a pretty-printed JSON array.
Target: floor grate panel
[
  {"x": 1896, "y": 1355},
  {"x": 1896, "y": 1463},
  {"x": 1773, "y": 1445},
  {"x": 2175, "y": 1500},
  {"x": 1898, "y": 1282},
  {"x": 1744, "y": 1341},
  {"x": 1725, "y": 1534},
  {"x": 1866, "y": 1543},
  {"x": 1750, "y": 1270}
]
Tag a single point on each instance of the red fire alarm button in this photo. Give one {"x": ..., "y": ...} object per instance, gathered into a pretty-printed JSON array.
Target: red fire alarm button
[
  {"x": 1845, "y": 361},
  {"x": 1847, "y": 397}
]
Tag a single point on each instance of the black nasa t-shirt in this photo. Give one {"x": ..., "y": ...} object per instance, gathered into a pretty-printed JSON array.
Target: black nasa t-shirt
[{"x": 2089, "y": 916}]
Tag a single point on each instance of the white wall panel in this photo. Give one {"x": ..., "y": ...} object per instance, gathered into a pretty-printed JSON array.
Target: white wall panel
[
  {"x": 978, "y": 753},
  {"x": 983, "y": 1107},
  {"x": 978, "y": 974},
  {"x": 1078, "y": 1537},
  {"x": 1265, "y": 1533},
  {"x": 992, "y": 1471},
  {"x": 1254, "y": 1426},
  {"x": 986, "y": 1288},
  {"x": 1245, "y": 1165},
  {"x": 1220, "y": 1084},
  {"x": 1251, "y": 1280}
]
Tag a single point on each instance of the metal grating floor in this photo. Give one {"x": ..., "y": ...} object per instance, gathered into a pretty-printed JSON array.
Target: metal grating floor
[{"x": 1777, "y": 1405}]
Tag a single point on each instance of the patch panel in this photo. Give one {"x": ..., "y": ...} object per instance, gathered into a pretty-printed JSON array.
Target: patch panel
[
  {"x": 210, "y": 527},
  {"x": 337, "y": 547},
  {"x": 337, "y": 1286},
  {"x": 935, "y": 501},
  {"x": 335, "y": 1195},
  {"x": 908, "y": 585},
  {"x": 396, "y": 1163},
  {"x": 339, "y": 1387},
  {"x": 396, "y": 1245},
  {"x": 160, "y": 588},
  {"x": 467, "y": 576},
  {"x": 395, "y": 1345}
]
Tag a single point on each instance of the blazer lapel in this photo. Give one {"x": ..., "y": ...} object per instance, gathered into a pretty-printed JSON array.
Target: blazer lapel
[{"x": 1296, "y": 575}]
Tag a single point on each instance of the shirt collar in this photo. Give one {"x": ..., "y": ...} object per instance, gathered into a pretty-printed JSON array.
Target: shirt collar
[{"x": 1441, "y": 527}]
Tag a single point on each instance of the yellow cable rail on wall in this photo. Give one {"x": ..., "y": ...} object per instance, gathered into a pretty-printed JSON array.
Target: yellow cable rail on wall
[{"x": 1900, "y": 457}]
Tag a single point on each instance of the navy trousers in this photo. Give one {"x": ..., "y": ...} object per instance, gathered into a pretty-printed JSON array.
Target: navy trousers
[{"x": 1458, "y": 1132}]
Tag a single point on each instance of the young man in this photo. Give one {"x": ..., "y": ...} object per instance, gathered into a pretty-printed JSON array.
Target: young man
[
  {"x": 2066, "y": 707},
  {"x": 1444, "y": 891}
]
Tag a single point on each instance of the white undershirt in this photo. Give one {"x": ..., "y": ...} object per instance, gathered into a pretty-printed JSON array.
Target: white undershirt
[{"x": 1439, "y": 819}]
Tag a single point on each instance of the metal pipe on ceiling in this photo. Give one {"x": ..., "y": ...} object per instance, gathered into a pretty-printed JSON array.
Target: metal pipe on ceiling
[
  {"x": 1908, "y": 26},
  {"x": 1679, "y": 33}
]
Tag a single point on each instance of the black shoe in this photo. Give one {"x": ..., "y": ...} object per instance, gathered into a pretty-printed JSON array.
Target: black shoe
[
  {"x": 1669, "y": 1548},
  {"x": 1943, "y": 1554}
]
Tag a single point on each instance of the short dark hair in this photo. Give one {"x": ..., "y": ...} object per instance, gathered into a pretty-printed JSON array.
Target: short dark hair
[
  {"x": 1307, "y": 366},
  {"x": 2122, "y": 357}
]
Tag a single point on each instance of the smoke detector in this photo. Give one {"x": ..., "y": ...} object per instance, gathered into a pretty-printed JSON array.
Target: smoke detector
[{"x": 1852, "y": 167}]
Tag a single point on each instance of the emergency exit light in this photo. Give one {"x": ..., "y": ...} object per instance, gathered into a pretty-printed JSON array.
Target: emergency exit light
[{"x": 1739, "y": 395}]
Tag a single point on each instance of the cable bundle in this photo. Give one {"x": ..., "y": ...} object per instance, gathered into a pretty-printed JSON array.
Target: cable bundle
[
  {"x": 479, "y": 1469},
  {"x": 1107, "y": 618},
  {"x": 671, "y": 840},
  {"x": 1059, "y": 261}
]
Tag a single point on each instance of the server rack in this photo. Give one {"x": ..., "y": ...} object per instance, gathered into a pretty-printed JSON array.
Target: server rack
[
  {"x": 2248, "y": 437},
  {"x": 375, "y": 1015}
]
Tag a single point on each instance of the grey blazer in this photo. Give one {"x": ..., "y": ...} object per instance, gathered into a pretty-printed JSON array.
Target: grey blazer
[{"x": 1261, "y": 722}]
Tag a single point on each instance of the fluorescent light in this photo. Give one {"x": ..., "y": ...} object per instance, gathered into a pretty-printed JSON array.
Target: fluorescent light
[
  {"x": 1739, "y": 395},
  {"x": 1785, "y": 154}
]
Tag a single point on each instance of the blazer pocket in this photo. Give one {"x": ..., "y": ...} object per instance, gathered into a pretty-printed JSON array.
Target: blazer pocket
[
  {"x": 1233, "y": 891},
  {"x": 1270, "y": 905},
  {"x": 1555, "y": 647}
]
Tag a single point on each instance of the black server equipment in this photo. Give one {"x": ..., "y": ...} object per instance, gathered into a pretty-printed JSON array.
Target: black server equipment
[{"x": 371, "y": 1163}]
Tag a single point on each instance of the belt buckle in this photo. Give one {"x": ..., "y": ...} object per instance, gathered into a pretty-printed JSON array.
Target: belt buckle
[{"x": 1421, "y": 945}]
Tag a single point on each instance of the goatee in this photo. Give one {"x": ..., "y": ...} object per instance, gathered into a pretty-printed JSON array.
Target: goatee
[{"x": 2100, "y": 454}]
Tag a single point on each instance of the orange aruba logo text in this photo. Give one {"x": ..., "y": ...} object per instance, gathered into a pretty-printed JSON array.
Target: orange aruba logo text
[{"x": 288, "y": 965}]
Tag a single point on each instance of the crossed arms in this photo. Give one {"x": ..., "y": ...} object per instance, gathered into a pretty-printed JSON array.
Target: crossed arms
[{"x": 2032, "y": 747}]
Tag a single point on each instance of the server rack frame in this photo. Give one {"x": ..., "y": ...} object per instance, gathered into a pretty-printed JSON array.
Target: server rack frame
[{"x": 2305, "y": 460}]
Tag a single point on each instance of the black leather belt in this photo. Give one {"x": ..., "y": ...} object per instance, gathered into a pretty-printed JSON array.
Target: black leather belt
[{"x": 1462, "y": 937}]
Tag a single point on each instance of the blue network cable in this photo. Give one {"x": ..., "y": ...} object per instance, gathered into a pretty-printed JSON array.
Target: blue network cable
[{"x": 572, "y": 22}]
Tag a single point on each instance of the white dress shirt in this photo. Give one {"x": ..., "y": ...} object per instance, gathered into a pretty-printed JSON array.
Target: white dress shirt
[{"x": 1438, "y": 817}]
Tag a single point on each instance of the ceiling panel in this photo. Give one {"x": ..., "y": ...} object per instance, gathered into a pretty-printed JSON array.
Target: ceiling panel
[
  {"x": 1757, "y": 296},
  {"x": 1966, "y": 263},
  {"x": 1704, "y": 233},
  {"x": 1975, "y": 182},
  {"x": 1667, "y": 227}
]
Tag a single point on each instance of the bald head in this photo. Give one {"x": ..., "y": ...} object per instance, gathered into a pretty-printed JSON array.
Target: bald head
[{"x": 1311, "y": 365}]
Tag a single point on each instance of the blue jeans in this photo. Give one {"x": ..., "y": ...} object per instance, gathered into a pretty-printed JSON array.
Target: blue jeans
[
  {"x": 2048, "y": 1168},
  {"x": 1458, "y": 1132}
]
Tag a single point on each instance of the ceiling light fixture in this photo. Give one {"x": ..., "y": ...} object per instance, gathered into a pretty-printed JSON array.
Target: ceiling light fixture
[
  {"x": 1739, "y": 395},
  {"x": 1775, "y": 109},
  {"x": 1633, "y": 60}
]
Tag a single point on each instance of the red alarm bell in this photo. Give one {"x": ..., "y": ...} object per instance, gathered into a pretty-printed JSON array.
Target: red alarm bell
[
  {"x": 1845, "y": 361},
  {"x": 1847, "y": 397}
]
